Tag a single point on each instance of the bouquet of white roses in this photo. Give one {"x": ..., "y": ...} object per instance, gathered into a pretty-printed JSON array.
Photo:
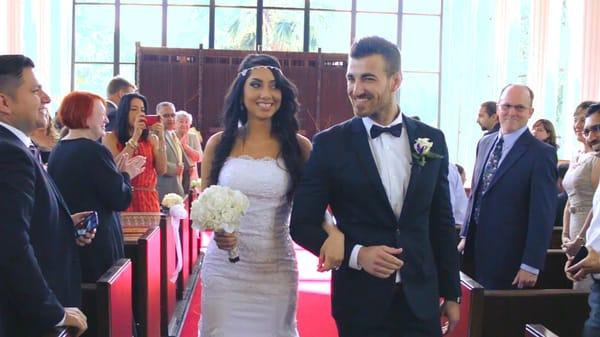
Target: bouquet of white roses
[{"x": 219, "y": 208}]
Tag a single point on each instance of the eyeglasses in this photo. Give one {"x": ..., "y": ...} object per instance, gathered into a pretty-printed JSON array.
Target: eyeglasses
[
  {"x": 518, "y": 107},
  {"x": 593, "y": 128},
  {"x": 168, "y": 115}
]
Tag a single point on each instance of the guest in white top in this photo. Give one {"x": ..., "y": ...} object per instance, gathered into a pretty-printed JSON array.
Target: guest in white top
[
  {"x": 458, "y": 196},
  {"x": 591, "y": 263}
]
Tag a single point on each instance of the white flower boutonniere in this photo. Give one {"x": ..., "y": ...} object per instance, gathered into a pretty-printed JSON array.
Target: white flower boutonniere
[{"x": 422, "y": 151}]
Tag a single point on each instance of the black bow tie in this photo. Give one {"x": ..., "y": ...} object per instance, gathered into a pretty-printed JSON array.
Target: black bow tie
[{"x": 395, "y": 130}]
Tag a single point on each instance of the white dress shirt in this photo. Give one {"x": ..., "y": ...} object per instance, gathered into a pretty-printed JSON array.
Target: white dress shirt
[
  {"x": 592, "y": 236},
  {"x": 458, "y": 196},
  {"x": 22, "y": 136},
  {"x": 393, "y": 159}
]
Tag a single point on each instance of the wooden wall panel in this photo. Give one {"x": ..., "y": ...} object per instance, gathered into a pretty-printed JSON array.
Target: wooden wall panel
[{"x": 197, "y": 80}]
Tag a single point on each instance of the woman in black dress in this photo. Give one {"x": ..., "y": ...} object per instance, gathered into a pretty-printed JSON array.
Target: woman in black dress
[{"x": 89, "y": 179}]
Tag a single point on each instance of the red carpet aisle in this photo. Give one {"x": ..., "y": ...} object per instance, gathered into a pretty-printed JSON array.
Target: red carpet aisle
[{"x": 314, "y": 308}]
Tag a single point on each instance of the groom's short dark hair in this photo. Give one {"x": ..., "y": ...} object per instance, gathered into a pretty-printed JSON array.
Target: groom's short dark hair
[{"x": 372, "y": 45}]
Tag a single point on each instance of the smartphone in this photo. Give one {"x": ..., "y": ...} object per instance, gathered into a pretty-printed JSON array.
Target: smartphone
[
  {"x": 152, "y": 119},
  {"x": 581, "y": 254},
  {"x": 87, "y": 224}
]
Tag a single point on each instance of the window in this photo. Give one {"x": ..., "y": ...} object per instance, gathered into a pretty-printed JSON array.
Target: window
[
  {"x": 284, "y": 25},
  {"x": 283, "y": 30},
  {"x": 235, "y": 28},
  {"x": 330, "y": 31}
]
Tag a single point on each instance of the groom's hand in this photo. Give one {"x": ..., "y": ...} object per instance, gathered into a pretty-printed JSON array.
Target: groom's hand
[{"x": 380, "y": 261}]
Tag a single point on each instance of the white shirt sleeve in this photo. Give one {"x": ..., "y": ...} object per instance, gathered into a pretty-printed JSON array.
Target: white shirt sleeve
[{"x": 353, "y": 263}]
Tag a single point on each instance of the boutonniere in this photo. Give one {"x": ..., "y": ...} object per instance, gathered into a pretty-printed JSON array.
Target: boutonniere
[{"x": 422, "y": 151}]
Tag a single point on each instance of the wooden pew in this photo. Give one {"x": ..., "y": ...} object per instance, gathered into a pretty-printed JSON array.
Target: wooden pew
[
  {"x": 167, "y": 268},
  {"x": 538, "y": 330},
  {"x": 556, "y": 239},
  {"x": 553, "y": 275},
  {"x": 501, "y": 313},
  {"x": 142, "y": 246},
  {"x": 107, "y": 303}
]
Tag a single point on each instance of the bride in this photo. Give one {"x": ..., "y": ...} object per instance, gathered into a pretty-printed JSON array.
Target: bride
[{"x": 260, "y": 154}]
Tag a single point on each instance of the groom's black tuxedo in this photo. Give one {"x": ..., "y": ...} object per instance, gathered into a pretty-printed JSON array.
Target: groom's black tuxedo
[{"x": 342, "y": 173}]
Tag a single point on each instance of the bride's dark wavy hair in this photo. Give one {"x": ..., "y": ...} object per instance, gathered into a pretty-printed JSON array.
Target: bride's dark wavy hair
[{"x": 284, "y": 125}]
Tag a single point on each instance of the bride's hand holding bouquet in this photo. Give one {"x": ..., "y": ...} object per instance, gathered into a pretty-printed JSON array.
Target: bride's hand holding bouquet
[{"x": 220, "y": 208}]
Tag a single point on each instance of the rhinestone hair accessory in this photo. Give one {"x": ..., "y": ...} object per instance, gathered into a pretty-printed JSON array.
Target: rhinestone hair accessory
[{"x": 245, "y": 71}]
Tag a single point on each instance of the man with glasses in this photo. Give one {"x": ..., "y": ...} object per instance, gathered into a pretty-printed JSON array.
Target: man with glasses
[
  {"x": 591, "y": 263},
  {"x": 170, "y": 182},
  {"x": 511, "y": 210}
]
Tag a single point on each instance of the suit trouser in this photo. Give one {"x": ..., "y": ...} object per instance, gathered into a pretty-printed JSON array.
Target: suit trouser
[{"x": 399, "y": 322}]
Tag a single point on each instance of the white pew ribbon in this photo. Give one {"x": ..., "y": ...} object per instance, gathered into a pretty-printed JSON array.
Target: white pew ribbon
[{"x": 177, "y": 213}]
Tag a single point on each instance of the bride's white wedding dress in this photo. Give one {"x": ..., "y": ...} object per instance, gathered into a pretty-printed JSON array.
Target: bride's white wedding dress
[{"x": 257, "y": 295}]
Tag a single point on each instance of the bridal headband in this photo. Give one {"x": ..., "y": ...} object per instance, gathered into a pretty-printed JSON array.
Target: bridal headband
[{"x": 245, "y": 71}]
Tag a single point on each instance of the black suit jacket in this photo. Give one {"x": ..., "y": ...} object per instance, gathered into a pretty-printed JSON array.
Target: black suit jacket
[
  {"x": 341, "y": 172},
  {"x": 39, "y": 268},
  {"x": 516, "y": 212}
]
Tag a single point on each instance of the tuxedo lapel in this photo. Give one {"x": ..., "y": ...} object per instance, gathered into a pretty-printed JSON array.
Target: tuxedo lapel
[
  {"x": 360, "y": 144},
  {"x": 485, "y": 146},
  {"x": 516, "y": 152}
]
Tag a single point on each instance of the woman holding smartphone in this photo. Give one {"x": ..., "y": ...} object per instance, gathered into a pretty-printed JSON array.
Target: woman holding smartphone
[
  {"x": 132, "y": 136},
  {"x": 89, "y": 179}
]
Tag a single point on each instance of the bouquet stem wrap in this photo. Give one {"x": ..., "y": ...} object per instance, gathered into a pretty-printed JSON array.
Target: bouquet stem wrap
[{"x": 234, "y": 255}]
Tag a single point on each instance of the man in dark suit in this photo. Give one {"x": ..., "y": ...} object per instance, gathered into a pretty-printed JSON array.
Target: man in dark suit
[
  {"x": 391, "y": 201},
  {"x": 39, "y": 266},
  {"x": 511, "y": 210},
  {"x": 117, "y": 88}
]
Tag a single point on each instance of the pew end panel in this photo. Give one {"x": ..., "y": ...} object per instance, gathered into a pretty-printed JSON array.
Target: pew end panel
[{"x": 108, "y": 302}]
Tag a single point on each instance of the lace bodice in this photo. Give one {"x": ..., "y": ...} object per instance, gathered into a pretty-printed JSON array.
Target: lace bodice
[{"x": 264, "y": 230}]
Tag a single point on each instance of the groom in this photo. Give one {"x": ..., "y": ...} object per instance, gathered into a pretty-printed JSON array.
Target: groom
[{"x": 391, "y": 203}]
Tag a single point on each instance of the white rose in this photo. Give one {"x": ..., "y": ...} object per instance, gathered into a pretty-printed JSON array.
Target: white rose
[{"x": 423, "y": 145}]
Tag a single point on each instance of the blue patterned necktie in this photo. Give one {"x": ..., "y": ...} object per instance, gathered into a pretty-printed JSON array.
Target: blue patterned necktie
[
  {"x": 35, "y": 151},
  {"x": 488, "y": 173}
]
